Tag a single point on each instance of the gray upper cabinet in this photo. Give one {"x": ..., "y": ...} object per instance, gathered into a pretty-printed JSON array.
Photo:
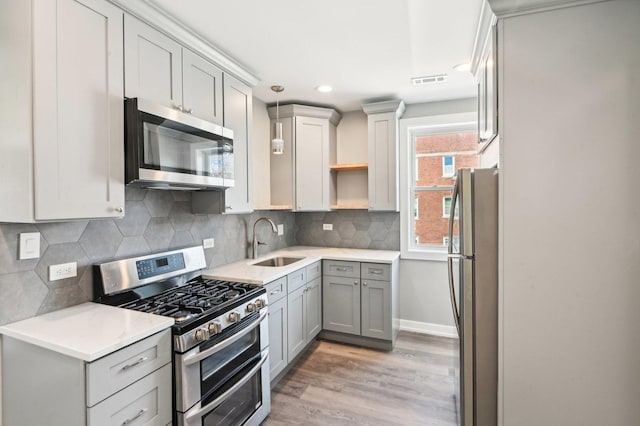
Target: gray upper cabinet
[
  {"x": 301, "y": 177},
  {"x": 160, "y": 70},
  {"x": 202, "y": 89},
  {"x": 238, "y": 107},
  {"x": 62, "y": 153},
  {"x": 484, "y": 68},
  {"x": 382, "y": 122},
  {"x": 153, "y": 64}
]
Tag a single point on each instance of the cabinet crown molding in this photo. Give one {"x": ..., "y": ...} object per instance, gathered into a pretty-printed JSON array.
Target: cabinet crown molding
[
  {"x": 396, "y": 106},
  {"x": 506, "y": 8},
  {"x": 166, "y": 24},
  {"x": 293, "y": 110}
]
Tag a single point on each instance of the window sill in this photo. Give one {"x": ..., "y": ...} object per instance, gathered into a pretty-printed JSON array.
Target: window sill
[{"x": 431, "y": 255}]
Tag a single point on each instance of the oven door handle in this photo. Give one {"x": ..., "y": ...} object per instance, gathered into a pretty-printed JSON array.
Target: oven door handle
[
  {"x": 199, "y": 356},
  {"x": 200, "y": 412}
]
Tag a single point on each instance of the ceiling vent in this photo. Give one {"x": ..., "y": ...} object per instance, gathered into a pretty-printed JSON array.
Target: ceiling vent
[{"x": 431, "y": 79}]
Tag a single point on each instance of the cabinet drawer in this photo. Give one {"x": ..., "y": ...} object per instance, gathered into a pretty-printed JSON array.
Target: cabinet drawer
[
  {"x": 339, "y": 268},
  {"x": 314, "y": 271},
  {"x": 276, "y": 290},
  {"x": 113, "y": 372},
  {"x": 146, "y": 402},
  {"x": 296, "y": 279},
  {"x": 375, "y": 271}
]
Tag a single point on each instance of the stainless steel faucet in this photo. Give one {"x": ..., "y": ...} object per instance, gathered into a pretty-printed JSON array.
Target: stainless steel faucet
[{"x": 257, "y": 243}]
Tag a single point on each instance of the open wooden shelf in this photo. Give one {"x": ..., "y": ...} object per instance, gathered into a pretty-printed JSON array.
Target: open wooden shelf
[
  {"x": 349, "y": 167},
  {"x": 280, "y": 207},
  {"x": 349, "y": 207}
]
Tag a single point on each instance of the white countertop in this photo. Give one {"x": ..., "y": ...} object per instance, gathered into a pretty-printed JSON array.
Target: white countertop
[
  {"x": 245, "y": 271},
  {"x": 88, "y": 331}
]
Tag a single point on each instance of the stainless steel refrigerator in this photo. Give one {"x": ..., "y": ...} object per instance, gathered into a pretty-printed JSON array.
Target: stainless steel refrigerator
[{"x": 473, "y": 285}]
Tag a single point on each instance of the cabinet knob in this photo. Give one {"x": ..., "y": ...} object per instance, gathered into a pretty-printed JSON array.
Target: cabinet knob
[
  {"x": 364, "y": 283},
  {"x": 228, "y": 207},
  {"x": 188, "y": 111},
  {"x": 119, "y": 209},
  {"x": 178, "y": 107},
  {"x": 355, "y": 282}
]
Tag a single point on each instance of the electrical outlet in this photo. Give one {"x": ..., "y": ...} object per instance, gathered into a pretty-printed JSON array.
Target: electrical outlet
[
  {"x": 280, "y": 229},
  {"x": 208, "y": 243},
  {"x": 62, "y": 271},
  {"x": 327, "y": 226}
]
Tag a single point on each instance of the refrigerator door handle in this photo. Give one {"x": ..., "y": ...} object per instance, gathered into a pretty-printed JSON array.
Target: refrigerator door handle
[{"x": 451, "y": 256}]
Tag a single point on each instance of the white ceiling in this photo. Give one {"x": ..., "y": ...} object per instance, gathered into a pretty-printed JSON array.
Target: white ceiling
[{"x": 368, "y": 50}]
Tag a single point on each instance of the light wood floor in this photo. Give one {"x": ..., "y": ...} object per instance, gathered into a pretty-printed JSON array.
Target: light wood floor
[{"x": 336, "y": 384}]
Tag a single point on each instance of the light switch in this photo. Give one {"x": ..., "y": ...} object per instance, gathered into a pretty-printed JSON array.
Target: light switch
[{"x": 29, "y": 245}]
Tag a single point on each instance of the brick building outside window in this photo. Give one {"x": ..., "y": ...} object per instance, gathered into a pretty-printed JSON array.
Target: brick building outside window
[{"x": 437, "y": 157}]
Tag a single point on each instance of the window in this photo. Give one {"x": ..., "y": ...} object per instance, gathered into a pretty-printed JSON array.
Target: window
[
  {"x": 448, "y": 165},
  {"x": 432, "y": 149}
]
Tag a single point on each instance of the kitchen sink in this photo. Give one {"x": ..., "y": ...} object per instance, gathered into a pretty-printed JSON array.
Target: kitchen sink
[{"x": 278, "y": 261}]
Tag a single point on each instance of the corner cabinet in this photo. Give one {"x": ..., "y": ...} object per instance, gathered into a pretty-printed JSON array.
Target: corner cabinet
[
  {"x": 62, "y": 154},
  {"x": 301, "y": 177},
  {"x": 360, "y": 303},
  {"x": 238, "y": 113},
  {"x": 382, "y": 122},
  {"x": 160, "y": 70}
]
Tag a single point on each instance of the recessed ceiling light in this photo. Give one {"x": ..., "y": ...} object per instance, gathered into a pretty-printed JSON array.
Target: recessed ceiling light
[
  {"x": 324, "y": 88},
  {"x": 466, "y": 67},
  {"x": 431, "y": 79}
]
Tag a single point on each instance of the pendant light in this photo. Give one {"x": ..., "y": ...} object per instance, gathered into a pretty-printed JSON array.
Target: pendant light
[{"x": 277, "y": 143}]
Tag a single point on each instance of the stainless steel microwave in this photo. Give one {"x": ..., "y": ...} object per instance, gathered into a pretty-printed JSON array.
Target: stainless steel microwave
[{"x": 170, "y": 149}]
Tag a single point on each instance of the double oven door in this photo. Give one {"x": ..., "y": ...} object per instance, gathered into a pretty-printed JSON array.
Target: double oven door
[{"x": 225, "y": 381}]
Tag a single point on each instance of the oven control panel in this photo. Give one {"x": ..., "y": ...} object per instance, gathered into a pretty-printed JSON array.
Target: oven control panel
[{"x": 159, "y": 265}]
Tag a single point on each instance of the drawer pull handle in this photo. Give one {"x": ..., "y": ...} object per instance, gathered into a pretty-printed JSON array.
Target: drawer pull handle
[
  {"x": 275, "y": 292},
  {"x": 376, "y": 271},
  {"x": 133, "y": 364},
  {"x": 132, "y": 419},
  {"x": 341, "y": 269}
]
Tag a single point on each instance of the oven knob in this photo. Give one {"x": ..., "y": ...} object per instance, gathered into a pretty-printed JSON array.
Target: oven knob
[
  {"x": 251, "y": 307},
  {"x": 200, "y": 335},
  {"x": 260, "y": 303},
  {"x": 234, "y": 317},
  {"x": 214, "y": 328}
]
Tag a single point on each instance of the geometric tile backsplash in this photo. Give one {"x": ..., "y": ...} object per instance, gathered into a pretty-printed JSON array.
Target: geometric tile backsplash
[{"x": 156, "y": 221}]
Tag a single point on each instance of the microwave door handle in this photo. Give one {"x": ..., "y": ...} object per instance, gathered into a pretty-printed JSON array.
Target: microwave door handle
[
  {"x": 199, "y": 356},
  {"x": 451, "y": 256},
  {"x": 200, "y": 412}
]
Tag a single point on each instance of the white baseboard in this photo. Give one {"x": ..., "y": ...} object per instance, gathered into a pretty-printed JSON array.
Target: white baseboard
[{"x": 428, "y": 328}]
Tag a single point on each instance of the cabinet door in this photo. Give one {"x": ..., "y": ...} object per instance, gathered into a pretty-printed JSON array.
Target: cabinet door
[
  {"x": 238, "y": 105},
  {"x": 313, "y": 301},
  {"x": 278, "y": 337},
  {"x": 312, "y": 164},
  {"x": 341, "y": 304},
  {"x": 296, "y": 323},
  {"x": 152, "y": 64},
  {"x": 383, "y": 162},
  {"x": 201, "y": 88},
  {"x": 487, "y": 93},
  {"x": 376, "y": 309},
  {"x": 78, "y": 110}
]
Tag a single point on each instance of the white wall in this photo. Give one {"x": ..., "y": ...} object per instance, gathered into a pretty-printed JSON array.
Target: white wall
[
  {"x": 261, "y": 151},
  {"x": 570, "y": 274}
]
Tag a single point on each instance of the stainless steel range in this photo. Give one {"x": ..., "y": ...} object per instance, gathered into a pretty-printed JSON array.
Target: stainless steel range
[{"x": 220, "y": 337}]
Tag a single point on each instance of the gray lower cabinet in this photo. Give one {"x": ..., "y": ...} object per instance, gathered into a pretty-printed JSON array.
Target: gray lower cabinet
[
  {"x": 341, "y": 307},
  {"x": 295, "y": 315},
  {"x": 360, "y": 301},
  {"x": 278, "y": 347},
  {"x": 130, "y": 385}
]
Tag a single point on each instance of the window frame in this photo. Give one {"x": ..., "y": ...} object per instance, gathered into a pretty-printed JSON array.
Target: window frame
[{"x": 410, "y": 129}]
